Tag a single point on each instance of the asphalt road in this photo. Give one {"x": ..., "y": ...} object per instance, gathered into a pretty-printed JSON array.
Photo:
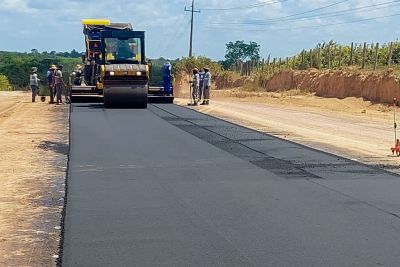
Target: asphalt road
[{"x": 169, "y": 186}]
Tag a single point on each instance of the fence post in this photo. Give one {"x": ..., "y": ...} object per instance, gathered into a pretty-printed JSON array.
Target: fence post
[
  {"x": 280, "y": 63},
  {"x": 364, "y": 53},
  {"x": 376, "y": 56},
  {"x": 329, "y": 56},
  {"x": 351, "y": 54},
  {"x": 273, "y": 66},
  {"x": 262, "y": 65},
  {"x": 390, "y": 54},
  {"x": 311, "y": 58},
  {"x": 319, "y": 57}
]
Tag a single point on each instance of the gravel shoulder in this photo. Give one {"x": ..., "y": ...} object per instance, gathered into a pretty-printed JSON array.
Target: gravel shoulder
[
  {"x": 351, "y": 127},
  {"x": 33, "y": 160}
]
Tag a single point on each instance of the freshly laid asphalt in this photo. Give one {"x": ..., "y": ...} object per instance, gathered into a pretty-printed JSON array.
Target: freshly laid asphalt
[{"x": 168, "y": 186}]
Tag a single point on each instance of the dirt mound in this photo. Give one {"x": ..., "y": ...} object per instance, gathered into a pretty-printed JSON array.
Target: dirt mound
[
  {"x": 376, "y": 87},
  {"x": 222, "y": 81},
  {"x": 231, "y": 80},
  {"x": 181, "y": 86}
]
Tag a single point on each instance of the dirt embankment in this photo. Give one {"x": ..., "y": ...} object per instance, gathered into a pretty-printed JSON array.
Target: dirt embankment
[
  {"x": 222, "y": 81},
  {"x": 376, "y": 87},
  {"x": 373, "y": 86},
  {"x": 33, "y": 160}
]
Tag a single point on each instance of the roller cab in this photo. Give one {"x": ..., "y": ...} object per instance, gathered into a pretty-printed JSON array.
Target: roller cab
[{"x": 124, "y": 72}]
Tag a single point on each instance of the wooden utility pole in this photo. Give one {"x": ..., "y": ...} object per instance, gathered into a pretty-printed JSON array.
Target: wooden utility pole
[{"x": 192, "y": 10}]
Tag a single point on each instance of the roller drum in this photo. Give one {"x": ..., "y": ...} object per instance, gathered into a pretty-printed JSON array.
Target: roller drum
[{"x": 125, "y": 97}]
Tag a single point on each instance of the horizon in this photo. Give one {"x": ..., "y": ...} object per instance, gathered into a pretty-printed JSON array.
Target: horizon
[{"x": 281, "y": 27}]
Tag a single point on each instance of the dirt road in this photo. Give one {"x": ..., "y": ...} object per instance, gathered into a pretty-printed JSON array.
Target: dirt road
[
  {"x": 352, "y": 128},
  {"x": 33, "y": 157}
]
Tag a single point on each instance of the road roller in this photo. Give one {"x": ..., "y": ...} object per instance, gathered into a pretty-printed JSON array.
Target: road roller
[{"x": 115, "y": 66}]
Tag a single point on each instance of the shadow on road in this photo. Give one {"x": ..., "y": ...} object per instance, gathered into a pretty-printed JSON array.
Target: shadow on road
[{"x": 57, "y": 147}]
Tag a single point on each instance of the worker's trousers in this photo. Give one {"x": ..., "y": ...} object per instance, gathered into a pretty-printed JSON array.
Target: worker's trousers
[
  {"x": 34, "y": 92},
  {"x": 59, "y": 92},
  {"x": 206, "y": 93},
  {"x": 51, "y": 90},
  {"x": 195, "y": 93},
  {"x": 201, "y": 91},
  {"x": 167, "y": 85}
]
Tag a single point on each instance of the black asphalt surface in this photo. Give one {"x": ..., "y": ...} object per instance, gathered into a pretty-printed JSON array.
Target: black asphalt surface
[{"x": 169, "y": 186}]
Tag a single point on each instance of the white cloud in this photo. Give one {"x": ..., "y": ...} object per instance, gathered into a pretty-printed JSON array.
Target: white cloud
[{"x": 17, "y": 6}]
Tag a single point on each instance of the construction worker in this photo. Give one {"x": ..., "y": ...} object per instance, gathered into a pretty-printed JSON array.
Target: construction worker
[
  {"x": 195, "y": 86},
  {"x": 167, "y": 76},
  {"x": 59, "y": 83},
  {"x": 124, "y": 51},
  {"x": 201, "y": 86},
  {"x": 207, "y": 86},
  {"x": 34, "y": 83},
  {"x": 76, "y": 76},
  {"x": 50, "y": 82}
]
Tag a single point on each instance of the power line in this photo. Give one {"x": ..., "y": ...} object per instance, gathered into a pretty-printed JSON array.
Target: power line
[
  {"x": 312, "y": 27},
  {"x": 260, "y": 4},
  {"x": 313, "y": 10},
  {"x": 276, "y": 1},
  {"x": 327, "y": 14},
  {"x": 177, "y": 36}
]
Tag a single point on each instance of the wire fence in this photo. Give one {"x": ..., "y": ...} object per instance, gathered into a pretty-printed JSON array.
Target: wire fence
[{"x": 328, "y": 56}]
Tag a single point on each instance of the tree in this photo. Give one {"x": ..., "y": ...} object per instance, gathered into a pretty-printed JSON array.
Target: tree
[
  {"x": 75, "y": 54},
  {"x": 34, "y": 51},
  {"x": 188, "y": 64},
  {"x": 241, "y": 51},
  {"x": 4, "y": 83}
]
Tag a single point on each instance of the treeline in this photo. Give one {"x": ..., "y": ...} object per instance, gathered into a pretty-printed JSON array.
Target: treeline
[
  {"x": 72, "y": 54},
  {"x": 16, "y": 66}
]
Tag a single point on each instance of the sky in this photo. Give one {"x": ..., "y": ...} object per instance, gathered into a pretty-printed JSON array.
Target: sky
[{"x": 281, "y": 27}]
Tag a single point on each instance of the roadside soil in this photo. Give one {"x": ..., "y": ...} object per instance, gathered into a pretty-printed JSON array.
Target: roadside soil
[
  {"x": 350, "y": 127},
  {"x": 33, "y": 161}
]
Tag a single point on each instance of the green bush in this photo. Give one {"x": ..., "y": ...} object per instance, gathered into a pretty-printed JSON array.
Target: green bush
[
  {"x": 188, "y": 64},
  {"x": 4, "y": 83}
]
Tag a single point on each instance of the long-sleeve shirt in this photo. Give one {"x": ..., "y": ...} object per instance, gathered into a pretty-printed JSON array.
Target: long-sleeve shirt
[
  {"x": 33, "y": 79},
  {"x": 196, "y": 80},
  {"x": 58, "y": 77},
  {"x": 207, "y": 78}
]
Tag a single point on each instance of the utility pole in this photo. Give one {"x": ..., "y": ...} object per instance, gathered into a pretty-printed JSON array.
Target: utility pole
[{"x": 192, "y": 10}]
